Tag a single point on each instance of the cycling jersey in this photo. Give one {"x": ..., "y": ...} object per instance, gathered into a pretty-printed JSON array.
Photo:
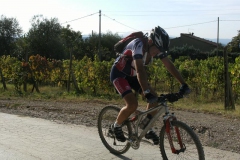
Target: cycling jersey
[{"x": 134, "y": 50}]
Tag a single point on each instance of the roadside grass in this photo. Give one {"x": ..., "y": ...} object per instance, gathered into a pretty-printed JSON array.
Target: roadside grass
[
  {"x": 55, "y": 93},
  {"x": 208, "y": 107},
  {"x": 60, "y": 94}
]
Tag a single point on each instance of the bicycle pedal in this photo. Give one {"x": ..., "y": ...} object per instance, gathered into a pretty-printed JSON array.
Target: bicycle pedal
[{"x": 150, "y": 136}]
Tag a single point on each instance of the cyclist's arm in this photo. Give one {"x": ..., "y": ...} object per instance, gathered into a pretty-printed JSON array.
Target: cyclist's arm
[
  {"x": 172, "y": 69},
  {"x": 141, "y": 74}
]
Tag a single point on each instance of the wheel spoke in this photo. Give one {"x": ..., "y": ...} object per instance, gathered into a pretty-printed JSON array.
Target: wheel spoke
[
  {"x": 106, "y": 118},
  {"x": 191, "y": 146}
]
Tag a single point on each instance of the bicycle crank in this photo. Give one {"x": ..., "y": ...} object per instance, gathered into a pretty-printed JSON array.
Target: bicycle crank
[{"x": 134, "y": 141}]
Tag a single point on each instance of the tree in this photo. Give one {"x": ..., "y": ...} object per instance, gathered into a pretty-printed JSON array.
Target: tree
[
  {"x": 9, "y": 33},
  {"x": 91, "y": 45},
  {"x": 234, "y": 45},
  {"x": 45, "y": 38},
  {"x": 107, "y": 42},
  {"x": 22, "y": 48},
  {"x": 73, "y": 42}
]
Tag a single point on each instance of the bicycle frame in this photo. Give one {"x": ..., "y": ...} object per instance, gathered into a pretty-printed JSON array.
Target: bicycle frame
[
  {"x": 162, "y": 107},
  {"x": 167, "y": 118}
]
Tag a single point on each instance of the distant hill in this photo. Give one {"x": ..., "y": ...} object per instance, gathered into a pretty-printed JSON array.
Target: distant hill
[
  {"x": 222, "y": 41},
  {"x": 85, "y": 37}
]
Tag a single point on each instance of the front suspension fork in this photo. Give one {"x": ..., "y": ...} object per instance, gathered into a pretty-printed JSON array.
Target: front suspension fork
[{"x": 168, "y": 129}]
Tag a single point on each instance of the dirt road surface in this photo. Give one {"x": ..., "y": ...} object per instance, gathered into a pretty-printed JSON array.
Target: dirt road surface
[
  {"x": 26, "y": 138},
  {"x": 214, "y": 130}
]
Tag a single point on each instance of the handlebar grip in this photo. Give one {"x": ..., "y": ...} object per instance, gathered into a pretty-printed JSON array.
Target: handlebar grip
[{"x": 171, "y": 97}]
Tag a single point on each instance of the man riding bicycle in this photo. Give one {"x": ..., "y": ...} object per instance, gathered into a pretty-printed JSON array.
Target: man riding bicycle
[{"x": 128, "y": 73}]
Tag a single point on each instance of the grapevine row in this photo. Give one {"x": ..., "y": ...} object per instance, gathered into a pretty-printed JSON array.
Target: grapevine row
[{"x": 205, "y": 77}]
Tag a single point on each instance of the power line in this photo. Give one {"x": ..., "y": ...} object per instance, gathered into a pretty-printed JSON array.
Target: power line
[
  {"x": 170, "y": 27},
  {"x": 174, "y": 12},
  {"x": 163, "y": 14},
  {"x": 120, "y": 22},
  {"x": 191, "y": 24},
  {"x": 192, "y": 10},
  {"x": 146, "y": 15},
  {"x": 229, "y": 20},
  {"x": 142, "y": 15},
  {"x": 165, "y": 28},
  {"x": 79, "y": 18}
]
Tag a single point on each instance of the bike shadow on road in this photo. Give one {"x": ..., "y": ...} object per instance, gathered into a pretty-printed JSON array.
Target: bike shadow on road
[{"x": 121, "y": 157}]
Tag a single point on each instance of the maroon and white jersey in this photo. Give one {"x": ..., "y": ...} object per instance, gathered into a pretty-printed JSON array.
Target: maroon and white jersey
[{"x": 134, "y": 50}]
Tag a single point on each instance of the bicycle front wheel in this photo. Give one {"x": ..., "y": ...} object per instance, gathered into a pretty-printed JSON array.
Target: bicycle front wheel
[
  {"x": 106, "y": 118},
  {"x": 192, "y": 147}
]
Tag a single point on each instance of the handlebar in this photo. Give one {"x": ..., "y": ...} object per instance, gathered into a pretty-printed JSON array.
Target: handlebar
[{"x": 170, "y": 97}]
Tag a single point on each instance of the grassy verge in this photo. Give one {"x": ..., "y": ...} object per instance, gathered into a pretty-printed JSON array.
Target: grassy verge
[
  {"x": 208, "y": 107},
  {"x": 57, "y": 93}
]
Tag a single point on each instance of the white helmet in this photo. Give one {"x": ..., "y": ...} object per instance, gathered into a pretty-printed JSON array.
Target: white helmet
[{"x": 160, "y": 38}]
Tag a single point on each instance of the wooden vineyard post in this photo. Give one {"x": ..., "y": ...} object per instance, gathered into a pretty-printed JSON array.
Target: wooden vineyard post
[{"x": 229, "y": 102}]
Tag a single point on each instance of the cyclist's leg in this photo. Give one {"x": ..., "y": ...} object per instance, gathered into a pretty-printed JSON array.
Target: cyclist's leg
[
  {"x": 131, "y": 106},
  {"x": 124, "y": 85},
  {"x": 124, "y": 89}
]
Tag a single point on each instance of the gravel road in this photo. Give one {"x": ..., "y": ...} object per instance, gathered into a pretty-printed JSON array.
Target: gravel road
[
  {"x": 26, "y": 138},
  {"x": 213, "y": 130}
]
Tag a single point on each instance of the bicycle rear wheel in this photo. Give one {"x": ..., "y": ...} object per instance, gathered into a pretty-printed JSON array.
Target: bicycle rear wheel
[
  {"x": 106, "y": 118},
  {"x": 192, "y": 146}
]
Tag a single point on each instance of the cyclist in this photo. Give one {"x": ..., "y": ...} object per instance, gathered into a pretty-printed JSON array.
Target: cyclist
[{"x": 128, "y": 72}]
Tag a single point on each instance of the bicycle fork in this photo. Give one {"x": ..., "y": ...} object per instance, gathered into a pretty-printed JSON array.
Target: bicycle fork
[{"x": 168, "y": 129}]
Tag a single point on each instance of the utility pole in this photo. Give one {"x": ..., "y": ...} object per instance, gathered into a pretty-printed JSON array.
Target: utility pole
[
  {"x": 99, "y": 43},
  {"x": 217, "y": 36},
  {"x": 229, "y": 100},
  {"x": 70, "y": 70},
  {"x": 26, "y": 61}
]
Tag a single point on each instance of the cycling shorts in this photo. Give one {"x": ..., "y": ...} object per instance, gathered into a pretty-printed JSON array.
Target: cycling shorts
[{"x": 123, "y": 83}]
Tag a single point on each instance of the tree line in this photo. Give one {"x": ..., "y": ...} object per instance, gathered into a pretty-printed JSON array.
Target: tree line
[{"x": 48, "y": 38}]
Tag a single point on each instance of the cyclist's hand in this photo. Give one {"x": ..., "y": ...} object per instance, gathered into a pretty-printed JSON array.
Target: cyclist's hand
[
  {"x": 173, "y": 97},
  {"x": 151, "y": 98},
  {"x": 184, "y": 89}
]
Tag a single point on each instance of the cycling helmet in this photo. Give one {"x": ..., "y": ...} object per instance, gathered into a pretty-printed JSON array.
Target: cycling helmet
[{"x": 160, "y": 38}]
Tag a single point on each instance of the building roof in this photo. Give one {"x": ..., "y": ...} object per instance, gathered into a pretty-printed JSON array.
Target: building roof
[{"x": 198, "y": 38}]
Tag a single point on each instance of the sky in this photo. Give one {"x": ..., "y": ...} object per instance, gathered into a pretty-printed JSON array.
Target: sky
[{"x": 125, "y": 16}]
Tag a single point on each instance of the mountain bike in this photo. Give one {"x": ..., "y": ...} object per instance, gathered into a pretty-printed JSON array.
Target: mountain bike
[{"x": 177, "y": 140}]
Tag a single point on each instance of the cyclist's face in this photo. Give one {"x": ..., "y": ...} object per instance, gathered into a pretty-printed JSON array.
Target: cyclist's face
[{"x": 153, "y": 50}]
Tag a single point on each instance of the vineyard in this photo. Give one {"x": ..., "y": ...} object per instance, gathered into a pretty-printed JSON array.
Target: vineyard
[{"x": 205, "y": 77}]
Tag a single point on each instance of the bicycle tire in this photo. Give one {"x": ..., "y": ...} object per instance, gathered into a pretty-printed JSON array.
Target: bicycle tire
[
  {"x": 194, "y": 149},
  {"x": 106, "y": 117}
]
